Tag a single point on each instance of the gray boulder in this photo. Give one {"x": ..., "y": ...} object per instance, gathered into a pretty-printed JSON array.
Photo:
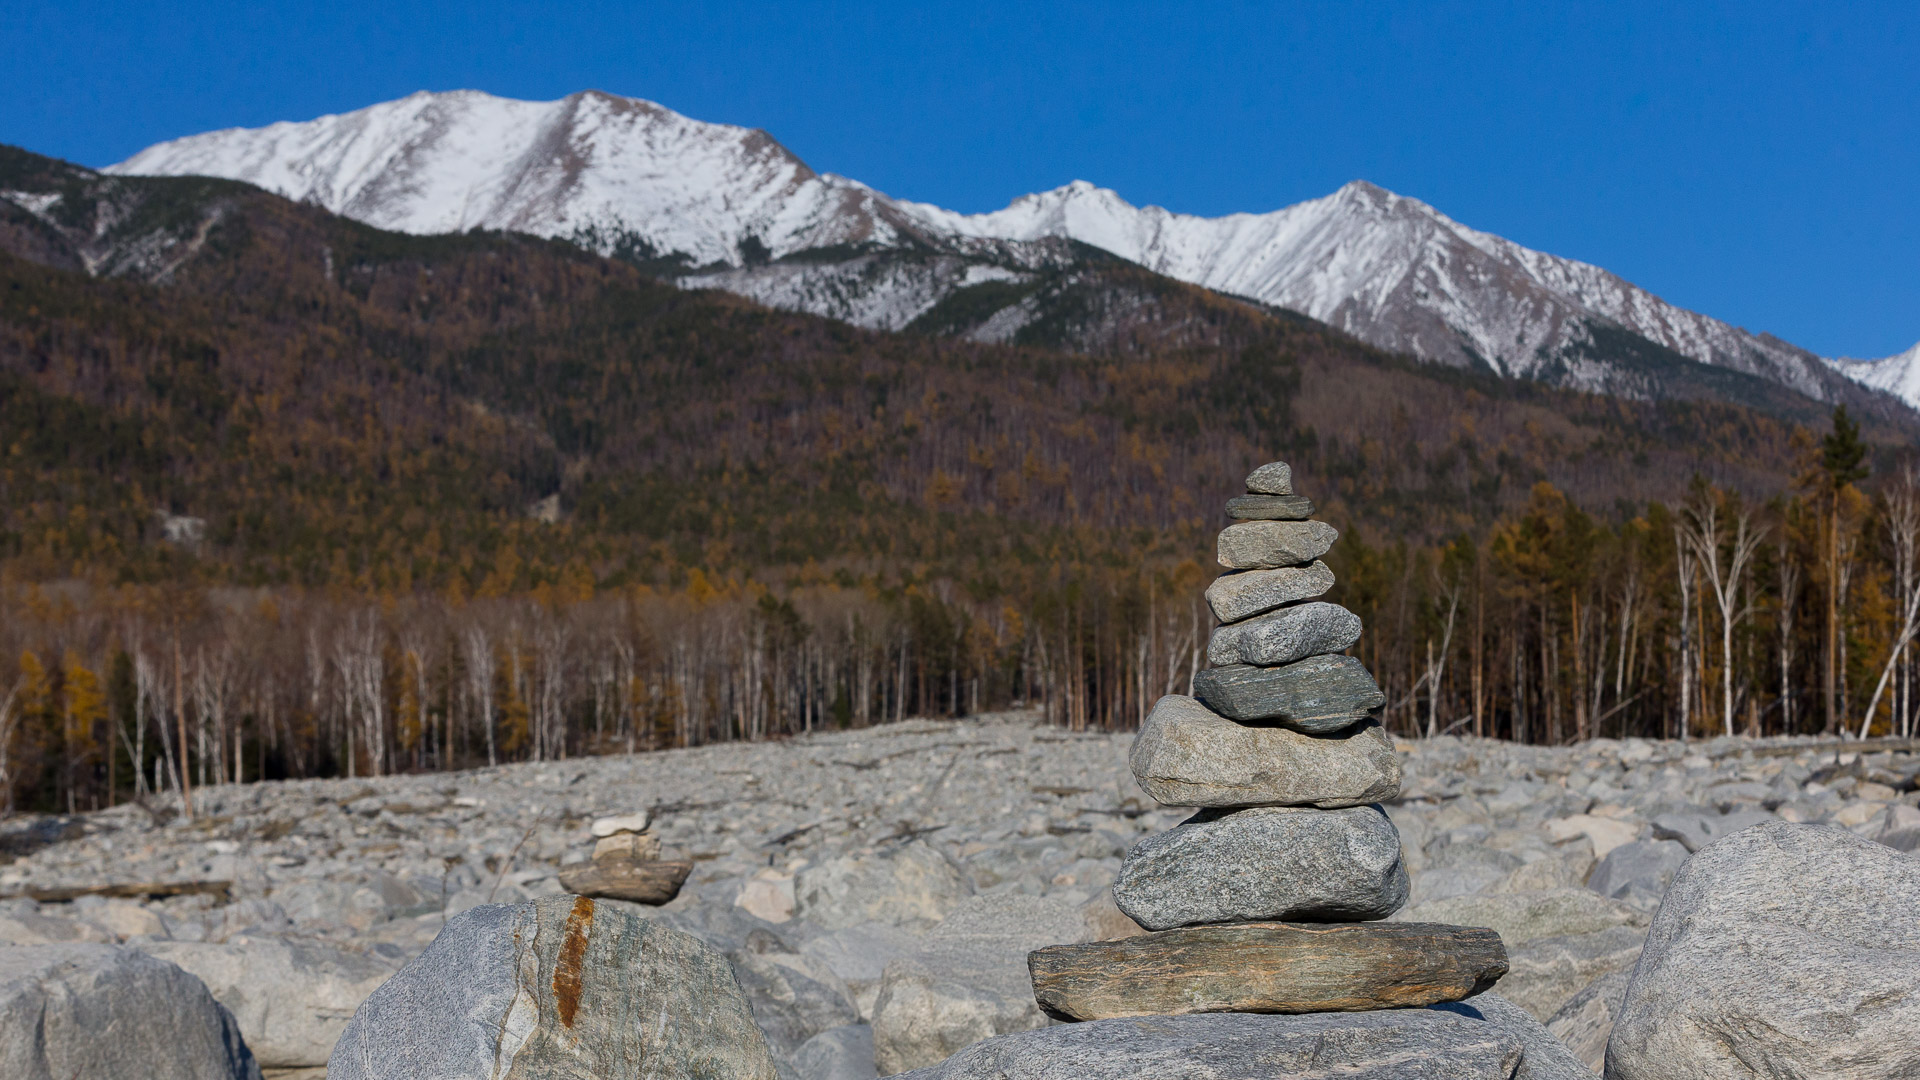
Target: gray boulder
[
  {"x": 1395, "y": 1044},
  {"x": 90, "y": 1010},
  {"x": 1542, "y": 1057},
  {"x": 291, "y": 997},
  {"x": 556, "y": 987},
  {"x": 1317, "y": 695},
  {"x": 1266, "y": 863},
  {"x": 1248, "y": 593},
  {"x": 1638, "y": 872},
  {"x": 859, "y": 955},
  {"x": 1283, "y": 636},
  {"x": 1524, "y": 916},
  {"x": 969, "y": 981},
  {"x": 1264, "y": 545},
  {"x": 1586, "y": 1019},
  {"x": 1187, "y": 755},
  {"x": 1697, "y": 827},
  {"x": 1460, "y": 869},
  {"x": 913, "y": 886},
  {"x": 842, "y": 1053},
  {"x": 1545, "y": 973},
  {"x": 793, "y": 997},
  {"x": 1781, "y": 951}
]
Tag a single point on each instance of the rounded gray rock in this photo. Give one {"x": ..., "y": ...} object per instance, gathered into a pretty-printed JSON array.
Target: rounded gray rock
[
  {"x": 1247, "y": 593},
  {"x": 1318, "y": 695},
  {"x": 1780, "y": 951},
  {"x": 1292, "y": 633},
  {"x": 1263, "y": 545},
  {"x": 1265, "y": 864},
  {"x": 1273, "y": 478},
  {"x": 1188, "y": 755}
]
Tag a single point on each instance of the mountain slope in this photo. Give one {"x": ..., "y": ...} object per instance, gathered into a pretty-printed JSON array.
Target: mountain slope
[{"x": 628, "y": 177}]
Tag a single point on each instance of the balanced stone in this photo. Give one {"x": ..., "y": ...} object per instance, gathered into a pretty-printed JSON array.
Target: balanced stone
[
  {"x": 1248, "y": 593},
  {"x": 1281, "y": 637},
  {"x": 1265, "y": 864},
  {"x": 623, "y": 877},
  {"x": 1273, "y": 478},
  {"x": 1263, "y": 545},
  {"x": 1317, "y": 695},
  {"x": 1270, "y": 507},
  {"x": 1267, "y": 967},
  {"x": 1188, "y": 755}
]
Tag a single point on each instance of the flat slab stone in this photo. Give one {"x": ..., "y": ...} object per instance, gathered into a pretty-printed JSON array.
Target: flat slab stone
[
  {"x": 1264, "y": 864},
  {"x": 1273, "y": 478},
  {"x": 1188, "y": 755},
  {"x": 1281, "y": 637},
  {"x": 1247, "y": 593},
  {"x": 619, "y": 877},
  {"x": 1409, "y": 1044},
  {"x": 1317, "y": 695},
  {"x": 1269, "y": 967},
  {"x": 1263, "y": 545},
  {"x": 1270, "y": 507}
]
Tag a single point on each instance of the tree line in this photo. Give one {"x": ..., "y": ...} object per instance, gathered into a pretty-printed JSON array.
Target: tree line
[{"x": 1713, "y": 614}]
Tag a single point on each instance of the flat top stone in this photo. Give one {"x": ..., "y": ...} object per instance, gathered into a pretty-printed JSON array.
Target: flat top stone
[
  {"x": 1273, "y": 478},
  {"x": 1188, "y": 755},
  {"x": 619, "y": 823}
]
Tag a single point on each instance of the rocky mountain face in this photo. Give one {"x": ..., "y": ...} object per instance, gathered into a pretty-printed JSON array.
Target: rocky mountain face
[{"x": 714, "y": 205}]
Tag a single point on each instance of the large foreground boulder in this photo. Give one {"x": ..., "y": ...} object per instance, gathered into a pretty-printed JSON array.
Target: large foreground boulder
[
  {"x": 292, "y": 998},
  {"x": 1397, "y": 1044},
  {"x": 558, "y": 987},
  {"x": 88, "y": 1011},
  {"x": 1780, "y": 951}
]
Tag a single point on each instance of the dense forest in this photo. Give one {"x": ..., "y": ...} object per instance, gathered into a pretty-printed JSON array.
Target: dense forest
[{"x": 281, "y": 494}]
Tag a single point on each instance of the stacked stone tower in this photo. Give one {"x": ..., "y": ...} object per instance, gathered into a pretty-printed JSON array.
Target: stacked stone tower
[{"x": 1267, "y": 899}]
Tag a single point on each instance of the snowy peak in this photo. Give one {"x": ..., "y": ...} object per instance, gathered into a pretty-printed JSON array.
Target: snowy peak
[{"x": 1898, "y": 375}]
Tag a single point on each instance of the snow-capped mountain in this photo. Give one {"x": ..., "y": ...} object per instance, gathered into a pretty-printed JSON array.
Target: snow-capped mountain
[
  {"x": 1898, "y": 375},
  {"x": 737, "y": 210}
]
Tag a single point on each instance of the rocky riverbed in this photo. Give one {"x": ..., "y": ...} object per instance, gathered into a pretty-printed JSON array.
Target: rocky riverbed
[{"x": 877, "y": 890}]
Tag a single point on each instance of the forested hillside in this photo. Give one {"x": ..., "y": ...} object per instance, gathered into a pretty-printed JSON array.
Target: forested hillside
[{"x": 322, "y": 498}]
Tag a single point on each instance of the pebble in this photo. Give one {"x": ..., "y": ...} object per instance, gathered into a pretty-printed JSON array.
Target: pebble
[{"x": 1273, "y": 478}]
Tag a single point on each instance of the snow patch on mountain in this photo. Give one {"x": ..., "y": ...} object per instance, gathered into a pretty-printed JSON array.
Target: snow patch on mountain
[{"x": 1898, "y": 375}]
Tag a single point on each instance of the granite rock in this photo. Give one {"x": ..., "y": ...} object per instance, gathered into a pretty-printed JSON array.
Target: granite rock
[
  {"x": 1585, "y": 1020},
  {"x": 1187, "y": 755},
  {"x": 90, "y": 1010},
  {"x": 1284, "y": 636},
  {"x": 1638, "y": 873},
  {"x": 1317, "y": 695},
  {"x": 1696, "y": 827},
  {"x": 1273, "y": 478},
  {"x": 1264, "y": 545},
  {"x": 1269, "y": 508},
  {"x": 1523, "y": 916},
  {"x": 1780, "y": 951},
  {"x": 557, "y": 987},
  {"x": 1265, "y": 864},
  {"x": 842, "y": 1053},
  {"x": 1247, "y": 593},
  {"x": 1544, "y": 973},
  {"x": 1542, "y": 1055},
  {"x": 913, "y": 885}
]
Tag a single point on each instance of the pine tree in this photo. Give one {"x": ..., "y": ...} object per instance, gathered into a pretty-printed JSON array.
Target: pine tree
[{"x": 1843, "y": 460}]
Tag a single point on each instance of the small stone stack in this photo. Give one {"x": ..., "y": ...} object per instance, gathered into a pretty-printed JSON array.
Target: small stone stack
[
  {"x": 626, "y": 864},
  {"x": 1266, "y": 899}
]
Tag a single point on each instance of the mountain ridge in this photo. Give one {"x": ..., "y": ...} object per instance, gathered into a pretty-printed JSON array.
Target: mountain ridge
[{"x": 718, "y": 205}]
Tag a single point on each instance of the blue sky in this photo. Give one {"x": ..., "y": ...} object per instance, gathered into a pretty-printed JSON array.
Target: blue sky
[{"x": 1759, "y": 162}]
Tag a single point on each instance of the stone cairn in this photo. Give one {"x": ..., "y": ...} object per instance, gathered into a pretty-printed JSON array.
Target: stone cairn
[
  {"x": 1267, "y": 899},
  {"x": 626, "y": 864}
]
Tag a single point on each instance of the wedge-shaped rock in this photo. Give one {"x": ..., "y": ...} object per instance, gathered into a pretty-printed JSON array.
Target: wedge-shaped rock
[
  {"x": 1267, "y": 863},
  {"x": 1248, "y": 593},
  {"x": 1273, "y": 478},
  {"x": 1188, "y": 755},
  {"x": 1290, "y": 634},
  {"x": 620, "y": 877},
  {"x": 1405, "y": 1044},
  {"x": 1316, "y": 695},
  {"x": 1267, "y": 967},
  {"x": 1270, "y": 507},
  {"x": 1263, "y": 545}
]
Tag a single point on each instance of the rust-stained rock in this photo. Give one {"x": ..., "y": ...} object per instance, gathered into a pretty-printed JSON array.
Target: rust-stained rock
[
  {"x": 643, "y": 881},
  {"x": 1267, "y": 967},
  {"x": 558, "y": 987},
  {"x": 1188, "y": 755}
]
